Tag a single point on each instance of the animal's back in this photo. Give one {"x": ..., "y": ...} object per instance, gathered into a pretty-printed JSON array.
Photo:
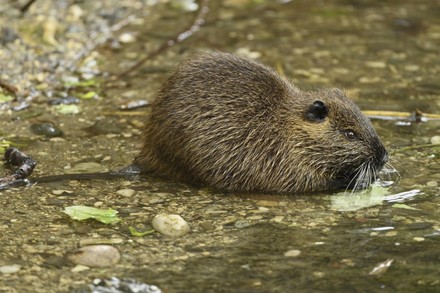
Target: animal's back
[{"x": 213, "y": 122}]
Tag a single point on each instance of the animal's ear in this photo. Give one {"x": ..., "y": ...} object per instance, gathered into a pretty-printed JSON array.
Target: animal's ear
[{"x": 317, "y": 112}]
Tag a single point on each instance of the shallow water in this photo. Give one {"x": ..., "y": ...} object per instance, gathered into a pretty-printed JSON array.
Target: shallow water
[{"x": 385, "y": 54}]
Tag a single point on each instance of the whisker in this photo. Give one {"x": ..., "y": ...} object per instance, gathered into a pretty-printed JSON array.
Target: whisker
[{"x": 358, "y": 170}]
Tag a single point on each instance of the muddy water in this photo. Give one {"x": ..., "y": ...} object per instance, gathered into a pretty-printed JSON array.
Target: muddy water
[{"x": 386, "y": 56}]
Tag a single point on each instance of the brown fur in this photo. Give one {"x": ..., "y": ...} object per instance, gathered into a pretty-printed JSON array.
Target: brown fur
[{"x": 228, "y": 122}]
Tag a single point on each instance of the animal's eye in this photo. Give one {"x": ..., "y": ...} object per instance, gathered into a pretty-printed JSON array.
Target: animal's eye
[{"x": 350, "y": 134}]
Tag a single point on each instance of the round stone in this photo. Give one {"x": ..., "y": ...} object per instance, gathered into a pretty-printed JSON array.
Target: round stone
[{"x": 170, "y": 225}]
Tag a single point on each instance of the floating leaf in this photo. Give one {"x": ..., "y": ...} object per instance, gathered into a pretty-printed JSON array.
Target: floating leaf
[
  {"x": 4, "y": 144},
  {"x": 5, "y": 98},
  {"x": 403, "y": 206},
  {"x": 67, "y": 109},
  {"x": 87, "y": 96},
  {"x": 137, "y": 233},
  {"x": 348, "y": 201},
  {"x": 81, "y": 213}
]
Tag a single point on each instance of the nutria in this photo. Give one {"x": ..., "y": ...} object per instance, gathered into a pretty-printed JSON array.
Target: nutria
[{"x": 229, "y": 122}]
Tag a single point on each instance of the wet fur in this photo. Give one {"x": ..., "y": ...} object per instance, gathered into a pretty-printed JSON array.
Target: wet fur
[{"x": 228, "y": 122}]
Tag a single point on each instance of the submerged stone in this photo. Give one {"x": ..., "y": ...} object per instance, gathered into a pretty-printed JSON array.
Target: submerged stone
[
  {"x": 47, "y": 129},
  {"x": 170, "y": 225},
  {"x": 96, "y": 256}
]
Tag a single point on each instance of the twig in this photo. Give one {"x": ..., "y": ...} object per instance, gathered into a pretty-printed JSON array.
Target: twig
[
  {"x": 416, "y": 116},
  {"x": 199, "y": 20},
  {"x": 26, "y": 7},
  {"x": 9, "y": 88}
]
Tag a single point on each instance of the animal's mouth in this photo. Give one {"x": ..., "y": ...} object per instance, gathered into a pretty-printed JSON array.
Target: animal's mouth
[
  {"x": 360, "y": 177},
  {"x": 352, "y": 182}
]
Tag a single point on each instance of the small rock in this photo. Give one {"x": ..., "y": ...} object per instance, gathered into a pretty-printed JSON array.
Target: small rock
[
  {"x": 419, "y": 239},
  {"x": 432, "y": 183},
  {"x": 10, "y": 269},
  {"x": 96, "y": 256},
  {"x": 79, "y": 268},
  {"x": 207, "y": 226},
  {"x": 412, "y": 67},
  {"x": 47, "y": 129},
  {"x": 435, "y": 139},
  {"x": 318, "y": 274},
  {"x": 240, "y": 224},
  {"x": 126, "y": 192},
  {"x": 376, "y": 64},
  {"x": 170, "y": 225},
  {"x": 368, "y": 80},
  {"x": 62, "y": 192},
  {"x": 292, "y": 253},
  {"x": 127, "y": 38}
]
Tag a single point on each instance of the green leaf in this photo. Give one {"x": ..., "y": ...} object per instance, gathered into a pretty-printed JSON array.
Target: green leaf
[
  {"x": 403, "y": 206},
  {"x": 88, "y": 95},
  {"x": 67, "y": 109},
  {"x": 4, "y": 144},
  {"x": 353, "y": 201},
  {"x": 81, "y": 213},
  {"x": 137, "y": 233},
  {"x": 5, "y": 98}
]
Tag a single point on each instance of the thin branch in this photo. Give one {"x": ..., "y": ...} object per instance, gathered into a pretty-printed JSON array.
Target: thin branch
[
  {"x": 199, "y": 20},
  {"x": 416, "y": 116},
  {"x": 9, "y": 88},
  {"x": 26, "y": 7}
]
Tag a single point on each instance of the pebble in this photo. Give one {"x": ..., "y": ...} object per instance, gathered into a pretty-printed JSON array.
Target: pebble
[
  {"x": 432, "y": 183},
  {"x": 376, "y": 64},
  {"x": 96, "y": 256},
  {"x": 435, "y": 139},
  {"x": 318, "y": 274},
  {"x": 126, "y": 192},
  {"x": 79, "y": 268},
  {"x": 10, "y": 269},
  {"x": 127, "y": 38},
  {"x": 207, "y": 226},
  {"x": 292, "y": 253},
  {"x": 412, "y": 67},
  {"x": 61, "y": 192},
  {"x": 390, "y": 234},
  {"x": 278, "y": 219},
  {"x": 47, "y": 129},
  {"x": 240, "y": 224},
  {"x": 369, "y": 80},
  {"x": 419, "y": 239},
  {"x": 170, "y": 225}
]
